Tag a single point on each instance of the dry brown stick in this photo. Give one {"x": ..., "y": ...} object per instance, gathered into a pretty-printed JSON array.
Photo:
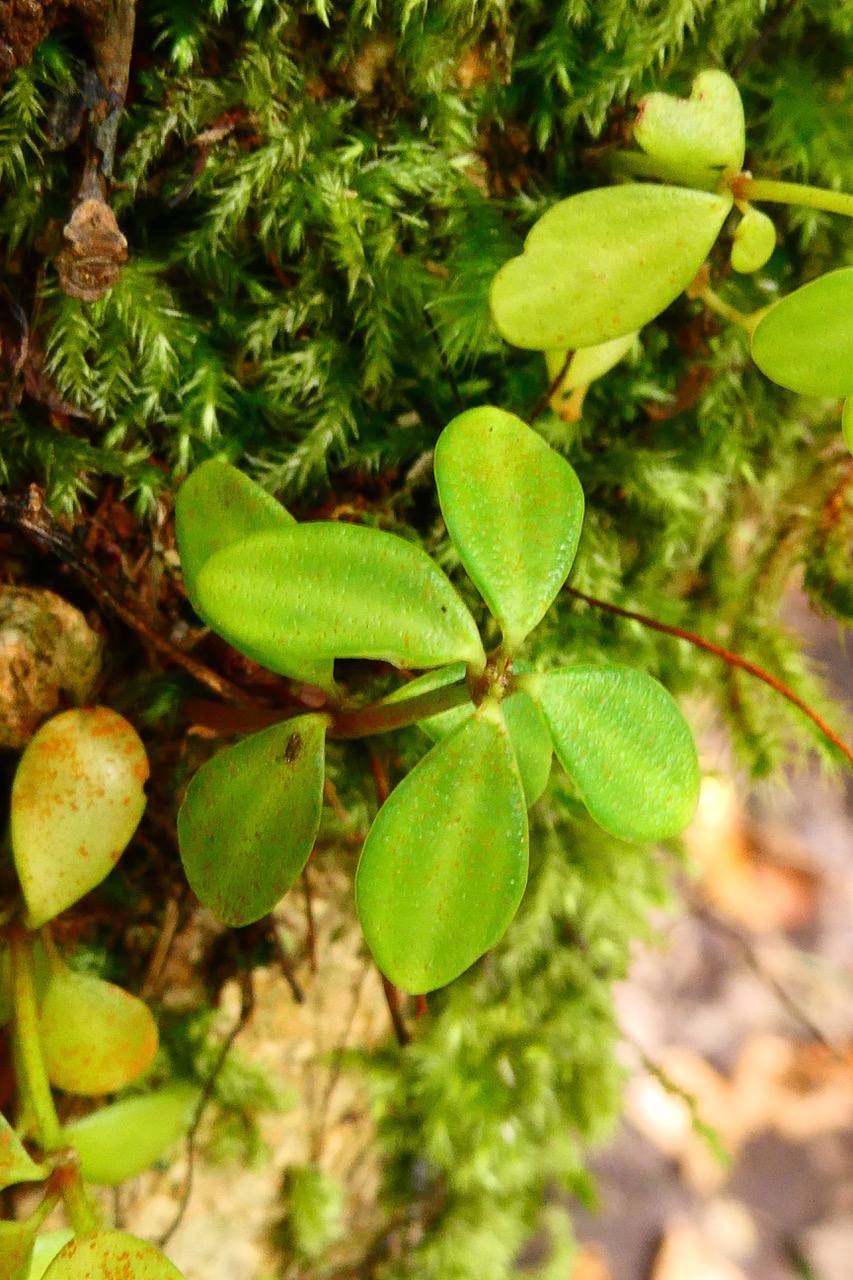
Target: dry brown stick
[
  {"x": 247, "y": 1008},
  {"x": 733, "y": 659}
]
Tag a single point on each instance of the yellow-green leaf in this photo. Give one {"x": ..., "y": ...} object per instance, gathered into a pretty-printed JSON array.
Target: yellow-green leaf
[
  {"x": 444, "y": 866},
  {"x": 337, "y": 591},
  {"x": 805, "y": 341},
  {"x": 622, "y": 739},
  {"x": 706, "y": 130},
  {"x": 216, "y": 506},
  {"x": 110, "y": 1255},
  {"x": 77, "y": 798},
  {"x": 514, "y": 510},
  {"x": 122, "y": 1140},
  {"x": 604, "y": 263},
  {"x": 15, "y": 1163}
]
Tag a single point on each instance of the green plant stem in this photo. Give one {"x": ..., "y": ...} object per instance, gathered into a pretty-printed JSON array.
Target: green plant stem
[
  {"x": 82, "y": 1213},
  {"x": 382, "y": 717},
  {"x": 715, "y": 303},
  {"x": 793, "y": 193}
]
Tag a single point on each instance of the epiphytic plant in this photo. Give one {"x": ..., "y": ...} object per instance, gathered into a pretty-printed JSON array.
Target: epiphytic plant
[
  {"x": 444, "y": 865},
  {"x": 77, "y": 797},
  {"x": 599, "y": 265}
]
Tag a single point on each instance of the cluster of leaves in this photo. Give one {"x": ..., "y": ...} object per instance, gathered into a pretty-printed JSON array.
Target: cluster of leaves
[{"x": 317, "y": 197}]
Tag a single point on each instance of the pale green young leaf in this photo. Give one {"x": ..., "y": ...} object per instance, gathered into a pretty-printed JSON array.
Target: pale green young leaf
[
  {"x": 805, "y": 341},
  {"x": 337, "y": 591},
  {"x": 444, "y": 866},
  {"x": 588, "y": 363},
  {"x": 754, "y": 241},
  {"x": 250, "y": 819},
  {"x": 622, "y": 739},
  {"x": 77, "y": 798},
  {"x": 121, "y": 1140},
  {"x": 706, "y": 130},
  {"x": 216, "y": 506},
  {"x": 513, "y": 509},
  {"x": 604, "y": 263}
]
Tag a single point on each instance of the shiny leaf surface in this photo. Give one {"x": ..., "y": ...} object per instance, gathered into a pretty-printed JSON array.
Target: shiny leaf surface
[
  {"x": 111, "y": 1255},
  {"x": 77, "y": 798},
  {"x": 754, "y": 241},
  {"x": 96, "y": 1037},
  {"x": 706, "y": 130},
  {"x": 250, "y": 819},
  {"x": 604, "y": 263},
  {"x": 623, "y": 740},
  {"x": 337, "y": 591},
  {"x": 805, "y": 342},
  {"x": 120, "y": 1141},
  {"x": 513, "y": 509},
  {"x": 444, "y": 866},
  {"x": 216, "y": 506}
]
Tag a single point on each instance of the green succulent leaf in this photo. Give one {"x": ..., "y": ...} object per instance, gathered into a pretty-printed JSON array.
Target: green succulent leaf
[
  {"x": 604, "y": 263},
  {"x": 77, "y": 798},
  {"x": 120, "y": 1141},
  {"x": 513, "y": 509},
  {"x": 217, "y": 506},
  {"x": 444, "y": 866},
  {"x": 17, "y": 1240},
  {"x": 622, "y": 739},
  {"x": 110, "y": 1255},
  {"x": 754, "y": 241},
  {"x": 445, "y": 722},
  {"x": 337, "y": 591},
  {"x": 531, "y": 743},
  {"x": 588, "y": 363},
  {"x": 96, "y": 1037},
  {"x": 706, "y": 130},
  {"x": 47, "y": 1246},
  {"x": 847, "y": 423},
  {"x": 805, "y": 341},
  {"x": 250, "y": 819},
  {"x": 15, "y": 1164}
]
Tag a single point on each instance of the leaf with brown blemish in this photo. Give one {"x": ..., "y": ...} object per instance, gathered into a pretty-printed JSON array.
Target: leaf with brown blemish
[
  {"x": 77, "y": 798},
  {"x": 251, "y": 816},
  {"x": 15, "y": 1164}
]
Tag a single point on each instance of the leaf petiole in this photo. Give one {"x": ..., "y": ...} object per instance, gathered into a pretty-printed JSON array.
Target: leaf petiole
[
  {"x": 382, "y": 717},
  {"x": 799, "y": 193}
]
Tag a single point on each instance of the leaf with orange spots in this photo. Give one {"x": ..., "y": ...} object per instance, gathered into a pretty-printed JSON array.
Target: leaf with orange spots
[
  {"x": 15, "y": 1165},
  {"x": 96, "y": 1038},
  {"x": 623, "y": 741},
  {"x": 445, "y": 864},
  {"x": 77, "y": 798},
  {"x": 111, "y": 1255}
]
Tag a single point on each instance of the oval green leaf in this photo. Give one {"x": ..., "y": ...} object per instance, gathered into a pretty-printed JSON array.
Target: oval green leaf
[
  {"x": 444, "y": 866},
  {"x": 513, "y": 509},
  {"x": 96, "y": 1038},
  {"x": 437, "y": 726},
  {"x": 588, "y": 363},
  {"x": 217, "y": 505},
  {"x": 337, "y": 591},
  {"x": 604, "y": 263},
  {"x": 15, "y": 1164},
  {"x": 111, "y": 1255},
  {"x": 754, "y": 241},
  {"x": 622, "y": 739},
  {"x": 77, "y": 798},
  {"x": 120, "y": 1141},
  {"x": 706, "y": 130},
  {"x": 250, "y": 819},
  {"x": 531, "y": 743},
  {"x": 805, "y": 341}
]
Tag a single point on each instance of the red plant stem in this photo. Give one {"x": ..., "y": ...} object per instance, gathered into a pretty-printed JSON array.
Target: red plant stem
[
  {"x": 382, "y": 717},
  {"x": 733, "y": 659}
]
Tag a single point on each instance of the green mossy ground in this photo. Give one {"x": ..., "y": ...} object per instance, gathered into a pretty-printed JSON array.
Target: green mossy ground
[{"x": 315, "y": 198}]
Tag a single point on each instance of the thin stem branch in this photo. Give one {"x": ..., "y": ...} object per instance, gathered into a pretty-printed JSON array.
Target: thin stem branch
[
  {"x": 382, "y": 717},
  {"x": 733, "y": 659},
  {"x": 82, "y": 1213},
  {"x": 793, "y": 193},
  {"x": 544, "y": 400}
]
